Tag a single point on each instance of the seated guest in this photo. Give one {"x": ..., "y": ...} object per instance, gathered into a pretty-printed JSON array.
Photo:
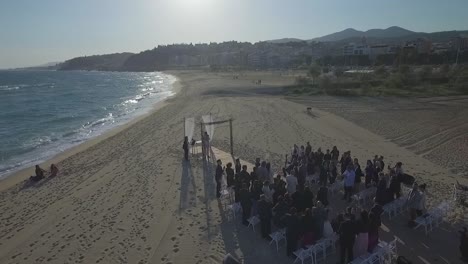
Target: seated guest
[
  {"x": 53, "y": 170},
  {"x": 39, "y": 174},
  {"x": 279, "y": 211}
]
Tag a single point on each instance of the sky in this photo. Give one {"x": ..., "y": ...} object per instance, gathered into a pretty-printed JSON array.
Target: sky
[{"x": 34, "y": 32}]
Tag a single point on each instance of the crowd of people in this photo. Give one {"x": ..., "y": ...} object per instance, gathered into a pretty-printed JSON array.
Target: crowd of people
[{"x": 286, "y": 200}]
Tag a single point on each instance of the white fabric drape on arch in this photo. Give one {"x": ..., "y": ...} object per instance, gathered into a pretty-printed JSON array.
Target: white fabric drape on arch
[
  {"x": 189, "y": 128},
  {"x": 209, "y": 128}
]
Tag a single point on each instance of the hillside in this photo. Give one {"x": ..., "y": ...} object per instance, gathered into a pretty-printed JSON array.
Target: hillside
[{"x": 108, "y": 62}]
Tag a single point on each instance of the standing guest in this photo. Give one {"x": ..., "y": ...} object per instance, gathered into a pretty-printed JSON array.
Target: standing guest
[
  {"x": 422, "y": 203},
  {"x": 246, "y": 204},
  {"x": 382, "y": 163},
  {"x": 254, "y": 174},
  {"x": 293, "y": 225},
  {"x": 302, "y": 173},
  {"x": 323, "y": 173},
  {"x": 361, "y": 245},
  {"x": 185, "y": 146},
  {"x": 322, "y": 195},
  {"x": 358, "y": 173},
  {"x": 335, "y": 223},
  {"x": 333, "y": 172},
  {"x": 327, "y": 157},
  {"x": 207, "y": 145},
  {"x": 255, "y": 192},
  {"x": 369, "y": 173},
  {"x": 270, "y": 171},
  {"x": 347, "y": 236},
  {"x": 292, "y": 183},
  {"x": 262, "y": 172},
  {"x": 244, "y": 176},
  {"x": 335, "y": 153},
  {"x": 414, "y": 202},
  {"x": 238, "y": 166},
  {"x": 257, "y": 162},
  {"x": 219, "y": 177},
  {"x": 295, "y": 152},
  {"x": 268, "y": 192},
  {"x": 298, "y": 200},
  {"x": 322, "y": 215},
  {"x": 349, "y": 180},
  {"x": 377, "y": 211},
  {"x": 264, "y": 213},
  {"x": 308, "y": 149},
  {"x": 53, "y": 170},
  {"x": 373, "y": 238},
  {"x": 319, "y": 156},
  {"x": 381, "y": 195},
  {"x": 302, "y": 153},
  {"x": 308, "y": 198},
  {"x": 395, "y": 188},
  {"x": 229, "y": 175}
]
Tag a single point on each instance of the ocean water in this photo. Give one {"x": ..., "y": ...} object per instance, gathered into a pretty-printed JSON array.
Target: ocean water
[{"x": 43, "y": 113}]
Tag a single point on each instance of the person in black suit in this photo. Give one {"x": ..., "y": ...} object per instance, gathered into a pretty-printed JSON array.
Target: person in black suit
[
  {"x": 293, "y": 230},
  {"x": 246, "y": 203},
  {"x": 265, "y": 214},
  {"x": 347, "y": 233},
  {"x": 219, "y": 177}
]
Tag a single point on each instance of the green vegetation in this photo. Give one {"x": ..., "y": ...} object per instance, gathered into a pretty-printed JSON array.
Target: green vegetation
[{"x": 396, "y": 81}]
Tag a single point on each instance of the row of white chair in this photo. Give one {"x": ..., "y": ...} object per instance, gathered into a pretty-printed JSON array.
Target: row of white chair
[
  {"x": 434, "y": 217},
  {"x": 384, "y": 253},
  {"x": 319, "y": 249},
  {"x": 365, "y": 196}
]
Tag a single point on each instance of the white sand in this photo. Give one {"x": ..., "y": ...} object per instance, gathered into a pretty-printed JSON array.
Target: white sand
[{"x": 130, "y": 198}]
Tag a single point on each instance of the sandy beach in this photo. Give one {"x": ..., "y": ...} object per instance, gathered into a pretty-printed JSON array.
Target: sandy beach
[{"x": 128, "y": 196}]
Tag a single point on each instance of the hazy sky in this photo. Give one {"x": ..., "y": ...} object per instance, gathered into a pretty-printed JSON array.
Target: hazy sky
[{"x": 34, "y": 32}]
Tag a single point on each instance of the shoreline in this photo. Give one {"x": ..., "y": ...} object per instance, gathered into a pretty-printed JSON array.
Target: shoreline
[{"x": 10, "y": 179}]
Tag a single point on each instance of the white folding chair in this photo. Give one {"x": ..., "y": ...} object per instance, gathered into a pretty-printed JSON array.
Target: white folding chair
[
  {"x": 424, "y": 221},
  {"x": 277, "y": 237},
  {"x": 301, "y": 254},
  {"x": 254, "y": 220},
  {"x": 233, "y": 209}
]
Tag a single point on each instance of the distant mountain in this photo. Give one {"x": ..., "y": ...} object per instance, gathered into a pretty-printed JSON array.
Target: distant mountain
[
  {"x": 391, "y": 32},
  {"x": 108, "y": 62}
]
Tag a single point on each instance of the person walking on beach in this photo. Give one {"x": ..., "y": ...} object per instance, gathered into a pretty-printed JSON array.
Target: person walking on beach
[
  {"x": 219, "y": 177},
  {"x": 186, "y": 147}
]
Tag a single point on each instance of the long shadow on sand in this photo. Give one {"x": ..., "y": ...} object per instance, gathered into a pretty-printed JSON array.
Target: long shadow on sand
[{"x": 188, "y": 189}]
